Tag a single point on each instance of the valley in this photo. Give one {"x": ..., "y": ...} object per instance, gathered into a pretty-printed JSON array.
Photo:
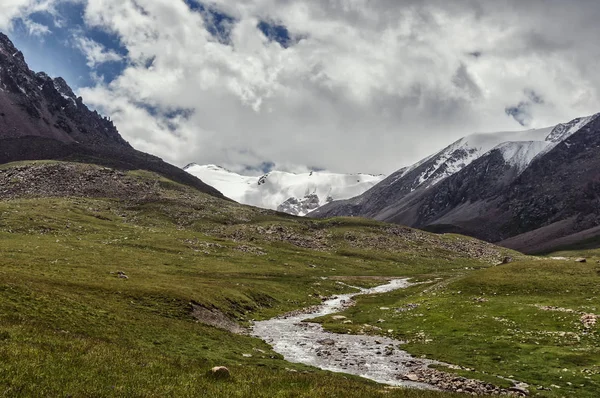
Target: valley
[
  {"x": 472, "y": 272},
  {"x": 100, "y": 293}
]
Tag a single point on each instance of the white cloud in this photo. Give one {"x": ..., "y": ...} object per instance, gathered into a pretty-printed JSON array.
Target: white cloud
[
  {"x": 374, "y": 85},
  {"x": 95, "y": 53},
  {"x": 36, "y": 29},
  {"x": 14, "y": 9}
]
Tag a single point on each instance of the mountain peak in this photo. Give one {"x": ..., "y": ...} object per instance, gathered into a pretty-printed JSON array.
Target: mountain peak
[
  {"x": 564, "y": 130},
  {"x": 9, "y": 54},
  {"x": 43, "y": 119},
  {"x": 63, "y": 88},
  {"x": 494, "y": 186}
]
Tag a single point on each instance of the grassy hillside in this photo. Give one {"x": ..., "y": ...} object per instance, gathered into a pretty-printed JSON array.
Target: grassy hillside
[
  {"x": 69, "y": 325},
  {"x": 525, "y": 320}
]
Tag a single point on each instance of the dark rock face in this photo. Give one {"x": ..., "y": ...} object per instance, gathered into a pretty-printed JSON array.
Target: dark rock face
[
  {"x": 41, "y": 118},
  {"x": 302, "y": 206},
  {"x": 564, "y": 184},
  {"x": 557, "y": 195}
]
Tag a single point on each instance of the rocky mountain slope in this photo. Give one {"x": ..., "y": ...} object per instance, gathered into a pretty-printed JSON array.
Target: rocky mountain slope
[
  {"x": 41, "y": 118},
  {"x": 296, "y": 194},
  {"x": 524, "y": 190}
]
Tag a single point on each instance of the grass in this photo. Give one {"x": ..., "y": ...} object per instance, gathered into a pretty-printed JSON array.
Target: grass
[
  {"x": 491, "y": 322},
  {"x": 70, "y": 327}
]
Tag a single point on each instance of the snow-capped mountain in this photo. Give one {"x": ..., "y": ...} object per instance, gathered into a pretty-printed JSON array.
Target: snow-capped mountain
[
  {"x": 463, "y": 152},
  {"x": 296, "y": 194},
  {"x": 476, "y": 185}
]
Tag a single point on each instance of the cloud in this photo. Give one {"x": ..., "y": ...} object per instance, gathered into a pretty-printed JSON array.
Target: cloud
[
  {"x": 95, "y": 53},
  {"x": 523, "y": 112},
  {"x": 22, "y": 9},
  {"x": 36, "y": 29},
  {"x": 353, "y": 86}
]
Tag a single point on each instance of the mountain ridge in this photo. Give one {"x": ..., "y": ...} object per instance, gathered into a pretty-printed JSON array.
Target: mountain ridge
[
  {"x": 466, "y": 190},
  {"x": 41, "y": 118}
]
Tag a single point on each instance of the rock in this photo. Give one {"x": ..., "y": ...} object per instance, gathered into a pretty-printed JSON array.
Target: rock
[
  {"x": 412, "y": 377},
  {"x": 347, "y": 322},
  {"x": 589, "y": 320},
  {"x": 121, "y": 275},
  {"x": 297, "y": 206},
  {"x": 326, "y": 342},
  {"x": 220, "y": 372},
  {"x": 581, "y": 260},
  {"x": 519, "y": 390},
  {"x": 338, "y": 317},
  {"x": 507, "y": 260}
]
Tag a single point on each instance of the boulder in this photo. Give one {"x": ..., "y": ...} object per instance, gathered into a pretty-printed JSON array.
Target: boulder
[
  {"x": 326, "y": 342},
  {"x": 220, "y": 372}
]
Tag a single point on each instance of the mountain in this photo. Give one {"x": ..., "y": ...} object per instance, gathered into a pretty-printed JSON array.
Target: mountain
[
  {"x": 296, "y": 194},
  {"x": 526, "y": 190},
  {"x": 41, "y": 118}
]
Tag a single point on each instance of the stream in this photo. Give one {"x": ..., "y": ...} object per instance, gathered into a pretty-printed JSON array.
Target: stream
[{"x": 373, "y": 357}]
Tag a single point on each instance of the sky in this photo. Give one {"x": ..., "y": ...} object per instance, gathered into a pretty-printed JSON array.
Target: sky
[{"x": 341, "y": 85}]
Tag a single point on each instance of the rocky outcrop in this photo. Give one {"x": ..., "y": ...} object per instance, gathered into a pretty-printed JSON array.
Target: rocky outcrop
[
  {"x": 74, "y": 180},
  {"x": 302, "y": 206}
]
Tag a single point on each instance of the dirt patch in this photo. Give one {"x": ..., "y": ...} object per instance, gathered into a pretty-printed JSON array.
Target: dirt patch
[{"x": 216, "y": 318}]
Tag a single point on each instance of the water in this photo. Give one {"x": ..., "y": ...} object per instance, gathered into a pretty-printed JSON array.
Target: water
[{"x": 375, "y": 358}]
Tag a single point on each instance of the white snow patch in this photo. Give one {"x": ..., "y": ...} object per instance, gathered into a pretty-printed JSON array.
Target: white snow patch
[
  {"x": 521, "y": 154},
  {"x": 463, "y": 152},
  {"x": 563, "y": 131},
  {"x": 67, "y": 97}
]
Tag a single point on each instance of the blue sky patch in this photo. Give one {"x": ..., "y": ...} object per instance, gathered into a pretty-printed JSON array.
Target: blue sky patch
[
  {"x": 522, "y": 111},
  {"x": 276, "y": 32},
  {"x": 217, "y": 23},
  {"x": 264, "y": 167},
  {"x": 519, "y": 112},
  {"x": 55, "y": 53}
]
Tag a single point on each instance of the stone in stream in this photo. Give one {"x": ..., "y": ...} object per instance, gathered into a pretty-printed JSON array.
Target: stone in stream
[{"x": 326, "y": 342}]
